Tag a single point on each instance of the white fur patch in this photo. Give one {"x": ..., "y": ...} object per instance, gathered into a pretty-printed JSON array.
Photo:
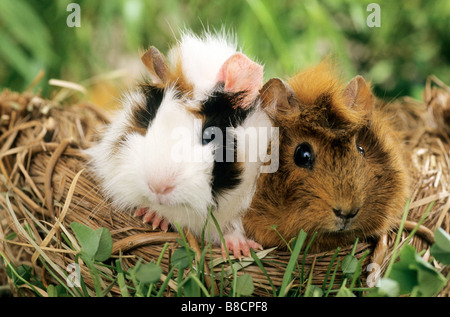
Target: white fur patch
[
  {"x": 201, "y": 59},
  {"x": 172, "y": 146}
]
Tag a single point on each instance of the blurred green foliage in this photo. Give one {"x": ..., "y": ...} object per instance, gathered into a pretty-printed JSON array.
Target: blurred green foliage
[{"x": 412, "y": 42}]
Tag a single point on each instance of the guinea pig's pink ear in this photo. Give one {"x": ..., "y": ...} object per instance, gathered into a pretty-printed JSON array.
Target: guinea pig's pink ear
[
  {"x": 156, "y": 65},
  {"x": 275, "y": 96},
  {"x": 240, "y": 74},
  {"x": 358, "y": 96}
]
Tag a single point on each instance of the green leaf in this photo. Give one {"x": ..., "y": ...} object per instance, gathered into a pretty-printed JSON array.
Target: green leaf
[
  {"x": 23, "y": 271},
  {"x": 244, "y": 285},
  {"x": 191, "y": 288},
  {"x": 430, "y": 281},
  {"x": 87, "y": 238},
  {"x": 148, "y": 273},
  {"x": 386, "y": 287},
  {"x": 415, "y": 275},
  {"x": 403, "y": 273},
  {"x": 95, "y": 244},
  {"x": 182, "y": 257},
  {"x": 105, "y": 245},
  {"x": 56, "y": 291},
  {"x": 441, "y": 247},
  {"x": 313, "y": 291},
  {"x": 349, "y": 265},
  {"x": 52, "y": 291},
  {"x": 344, "y": 292}
]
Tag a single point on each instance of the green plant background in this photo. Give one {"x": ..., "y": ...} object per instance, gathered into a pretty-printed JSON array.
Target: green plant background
[{"x": 286, "y": 36}]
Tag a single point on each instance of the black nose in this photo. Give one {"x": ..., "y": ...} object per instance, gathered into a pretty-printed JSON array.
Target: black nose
[{"x": 346, "y": 214}]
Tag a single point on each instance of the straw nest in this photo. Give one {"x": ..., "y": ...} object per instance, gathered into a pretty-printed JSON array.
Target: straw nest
[{"x": 45, "y": 187}]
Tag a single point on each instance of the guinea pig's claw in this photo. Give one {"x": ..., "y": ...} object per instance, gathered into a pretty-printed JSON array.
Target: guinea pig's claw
[
  {"x": 239, "y": 246},
  {"x": 140, "y": 212},
  {"x": 149, "y": 217},
  {"x": 152, "y": 218},
  {"x": 164, "y": 225}
]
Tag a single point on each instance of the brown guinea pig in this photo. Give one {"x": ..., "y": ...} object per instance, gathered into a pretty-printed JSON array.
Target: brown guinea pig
[{"x": 341, "y": 173}]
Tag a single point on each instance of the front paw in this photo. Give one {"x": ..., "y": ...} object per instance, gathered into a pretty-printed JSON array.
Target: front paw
[
  {"x": 239, "y": 245},
  {"x": 152, "y": 218}
]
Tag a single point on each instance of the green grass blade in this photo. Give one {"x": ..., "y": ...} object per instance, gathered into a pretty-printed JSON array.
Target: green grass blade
[
  {"x": 282, "y": 238},
  {"x": 355, "y": 244},
  {"x": 13, "y": 270},
  {"x": 291, "y": 264},
  {"x": 31, "y": 241},
  {"x": 419, "y": 223},
  {"x": 64, "y": 282},
  {"x": 309, "y": 283},
  {"x": 261, "y": 266},
  {"x": 233, "y": 271},
  {"x": 161, "y": 255},
  {"x": 266, "y": 20},
  {"x": 121, "y": 280},
  {"x": 333, "y": 258},
  {"x": 196, "y": 280},
  {"x": 333, "y": 277},
  {"x": 94, "y": 274},
  {"x": 358, "y": 271},
  {"x": 166, "y": 282},
  {"x": 16, "y": 57},
  {"x": 397, "y": 240},
  {"x": 302, "y": 273}
]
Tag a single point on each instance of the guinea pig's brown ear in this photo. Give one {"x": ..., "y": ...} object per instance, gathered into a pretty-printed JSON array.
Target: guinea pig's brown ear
[
  {"x": 275, "y": 96},
  {"x": 241, "y": 74},
  {"x": 358, "y": 96},
  {"x": 156, "y": 65}
]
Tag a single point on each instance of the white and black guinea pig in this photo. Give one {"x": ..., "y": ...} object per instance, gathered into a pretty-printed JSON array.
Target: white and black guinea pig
[{"x": 176, "y": 149}]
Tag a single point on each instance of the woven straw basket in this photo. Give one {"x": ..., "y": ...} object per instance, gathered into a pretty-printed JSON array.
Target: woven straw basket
[{"x": 45, "y": 187}]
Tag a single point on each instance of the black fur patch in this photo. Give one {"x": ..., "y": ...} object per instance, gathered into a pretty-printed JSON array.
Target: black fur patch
[
  {"x": 219, "y": 112},
  {"x": 143, "y": 116}
]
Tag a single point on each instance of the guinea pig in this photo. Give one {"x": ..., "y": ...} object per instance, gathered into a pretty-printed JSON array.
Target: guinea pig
[
  {"x": 341, "y": 172},
  {"x": 174, "y": 150}
]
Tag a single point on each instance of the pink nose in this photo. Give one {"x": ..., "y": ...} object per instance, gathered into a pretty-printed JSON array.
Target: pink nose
[{"x": 161, "y": 188}]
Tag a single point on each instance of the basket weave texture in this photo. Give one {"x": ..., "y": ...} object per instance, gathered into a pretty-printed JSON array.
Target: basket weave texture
[{"x": 46, "y": 185}]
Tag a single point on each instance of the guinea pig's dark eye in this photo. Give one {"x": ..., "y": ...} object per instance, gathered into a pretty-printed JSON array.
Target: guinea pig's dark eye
[
  {"x": 304, "y": 155},
  {"x": 360, "y": 149},
  {"x": 208, "y": 135}
]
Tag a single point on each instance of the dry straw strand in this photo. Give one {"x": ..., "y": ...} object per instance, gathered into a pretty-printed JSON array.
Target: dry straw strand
[{"x": 41, "y": 163}]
